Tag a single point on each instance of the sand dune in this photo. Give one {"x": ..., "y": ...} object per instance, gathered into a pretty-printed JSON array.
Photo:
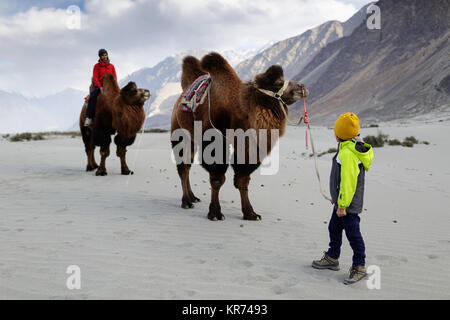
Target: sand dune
[{"x": 131, "y": 238}]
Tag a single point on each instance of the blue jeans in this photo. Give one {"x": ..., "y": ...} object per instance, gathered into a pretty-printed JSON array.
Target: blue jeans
[
  {"x": 349, "y": 223},
  {"x": 90, "y": 110}
]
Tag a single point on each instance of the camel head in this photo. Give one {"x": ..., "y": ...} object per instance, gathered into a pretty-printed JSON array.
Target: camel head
[
  {"x": 272, "y": 83},
  {"x": 134, "y": 96}
]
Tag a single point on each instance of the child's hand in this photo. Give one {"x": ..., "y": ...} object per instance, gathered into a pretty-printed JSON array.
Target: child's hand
[{"x": 341, "y": 212}]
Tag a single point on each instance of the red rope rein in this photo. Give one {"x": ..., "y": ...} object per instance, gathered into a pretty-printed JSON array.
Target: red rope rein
[{"x": 305, "y": 117}]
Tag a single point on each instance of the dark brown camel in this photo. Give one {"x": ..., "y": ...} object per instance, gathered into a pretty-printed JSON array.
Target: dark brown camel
[
  {"x": 233, "y": 105},
  {"x": 117, "y": 110}
]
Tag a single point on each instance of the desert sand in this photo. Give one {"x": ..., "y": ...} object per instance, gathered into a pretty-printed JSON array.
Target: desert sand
[{"x": 132, "y": 240}]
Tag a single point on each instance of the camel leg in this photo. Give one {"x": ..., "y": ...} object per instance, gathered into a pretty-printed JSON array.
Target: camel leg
[
  {"x": 217, "y": 172},
  {"x": 121, "y": 153},
  {"x": 89, "y": 148},
  {"x": 188, "y": 199},
  {"x": 122, "y": 143},
  {"x": 241, "y": 182},
  {"x": 189, "y": 190},
  {"x": 92, "y": 165},
  {"x": 104, "y": 152},
  {"x": 216, "y": 179}
]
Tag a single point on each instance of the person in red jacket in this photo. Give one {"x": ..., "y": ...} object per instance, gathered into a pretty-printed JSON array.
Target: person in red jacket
[{"x": 100, "y": 69}]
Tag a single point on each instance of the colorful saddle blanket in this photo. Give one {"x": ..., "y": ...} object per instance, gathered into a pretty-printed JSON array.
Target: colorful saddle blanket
[{"x": 195, "y": 94}]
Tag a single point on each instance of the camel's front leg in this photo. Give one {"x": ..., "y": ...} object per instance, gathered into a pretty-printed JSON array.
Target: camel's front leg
[
  {"x": 121, "y": 153},
  {"x": 122, "y": 143},
  {"x": 104, "y": 152}
]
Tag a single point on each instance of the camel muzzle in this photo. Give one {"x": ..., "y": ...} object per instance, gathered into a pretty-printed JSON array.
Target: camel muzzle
[
  {"x": 145, "y": 94},
  {"x": 302, "y": 91}
]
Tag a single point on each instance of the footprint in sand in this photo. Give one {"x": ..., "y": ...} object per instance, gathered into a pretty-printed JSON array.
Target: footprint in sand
[
  {"x": 444, "y": 245},
  {"x": 285, "y": 286},
  {"x": 244, "y": 263},
  {"x": 385, "y": 260},
  {"x": 432, "y": 256},
  {"x": 312, "y": 246},
  {"x": 190, "y": 293},
  {"x": 272, "y": 273},
  {"x": 193, "y": 260}
]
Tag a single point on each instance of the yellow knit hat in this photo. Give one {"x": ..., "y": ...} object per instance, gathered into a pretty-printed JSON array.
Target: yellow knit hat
[{"x": 347, "y": 126}]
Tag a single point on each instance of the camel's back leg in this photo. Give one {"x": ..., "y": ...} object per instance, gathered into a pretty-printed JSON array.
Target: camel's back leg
[
  {"x": 122, "y": 143},
  {"x": 88, "y": 140},
  {"x": 89, "y": 147},
  {"x": 102, "y": 139}
]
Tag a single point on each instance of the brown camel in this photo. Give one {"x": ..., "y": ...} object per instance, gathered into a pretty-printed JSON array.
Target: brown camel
[
  {"x": 233, "y": 105},
  {"x": 117, "y": 110}
]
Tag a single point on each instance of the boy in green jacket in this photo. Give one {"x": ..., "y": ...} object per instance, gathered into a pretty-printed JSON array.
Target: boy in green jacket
[{"x": 347, "y": 192}]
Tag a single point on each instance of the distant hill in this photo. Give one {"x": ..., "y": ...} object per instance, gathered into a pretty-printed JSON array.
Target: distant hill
[{"x": 54, "y": 112}]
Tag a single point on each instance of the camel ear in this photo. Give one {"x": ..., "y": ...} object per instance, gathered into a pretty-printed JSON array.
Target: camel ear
[
  {"x": 269, "y": 77},
  {"x": 274, "y": 73}
]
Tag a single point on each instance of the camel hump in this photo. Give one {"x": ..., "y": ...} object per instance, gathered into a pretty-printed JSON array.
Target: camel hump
[
  {"x": 214, "y": 62},
  {"x": 110, "y": 84},
  {"x": 108, "y": 77},
  {"x": 190, "y": 71}
]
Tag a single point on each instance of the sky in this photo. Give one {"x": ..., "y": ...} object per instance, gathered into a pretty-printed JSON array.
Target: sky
[{"x": 45, "y": 47}]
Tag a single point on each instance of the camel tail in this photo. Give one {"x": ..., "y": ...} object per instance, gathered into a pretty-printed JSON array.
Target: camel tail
[{"x": 190, "y": 71}]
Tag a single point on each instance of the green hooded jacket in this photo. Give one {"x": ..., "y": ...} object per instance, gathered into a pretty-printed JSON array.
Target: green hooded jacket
[{"x": 348, "y": 174}]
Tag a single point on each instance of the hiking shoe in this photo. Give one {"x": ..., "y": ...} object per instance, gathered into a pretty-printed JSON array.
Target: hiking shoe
[
  {"x": 326, "y": 263},
  {"x": 87, "y": 122},
  {"x": 355, "y": 274}
]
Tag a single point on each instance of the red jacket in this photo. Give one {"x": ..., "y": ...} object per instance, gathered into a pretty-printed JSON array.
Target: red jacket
[{"x": 100, "y": 69}]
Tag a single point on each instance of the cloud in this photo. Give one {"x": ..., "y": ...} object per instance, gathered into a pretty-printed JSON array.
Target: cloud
[{"x": 40, "y": 55}]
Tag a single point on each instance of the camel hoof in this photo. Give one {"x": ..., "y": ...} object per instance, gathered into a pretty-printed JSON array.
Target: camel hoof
[
  {"x": 252, "y": 217},
  {"x": 91, "y": 168},
  {"x": 101, "y": 173},
  {"x": 216, "y": 216},
  {"x": 187, "y": 205},
  {"x": 127, "y": 172}
]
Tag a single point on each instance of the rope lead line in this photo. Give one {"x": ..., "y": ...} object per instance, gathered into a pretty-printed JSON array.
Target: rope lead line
[{"x": 308, "y": 128}]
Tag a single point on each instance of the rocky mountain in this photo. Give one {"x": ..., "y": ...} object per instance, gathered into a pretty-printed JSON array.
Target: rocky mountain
[
  {"x": 57, "y": 112},
  {"x": 398, "y": 71},
  {"x": 295, "y": 53}
]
